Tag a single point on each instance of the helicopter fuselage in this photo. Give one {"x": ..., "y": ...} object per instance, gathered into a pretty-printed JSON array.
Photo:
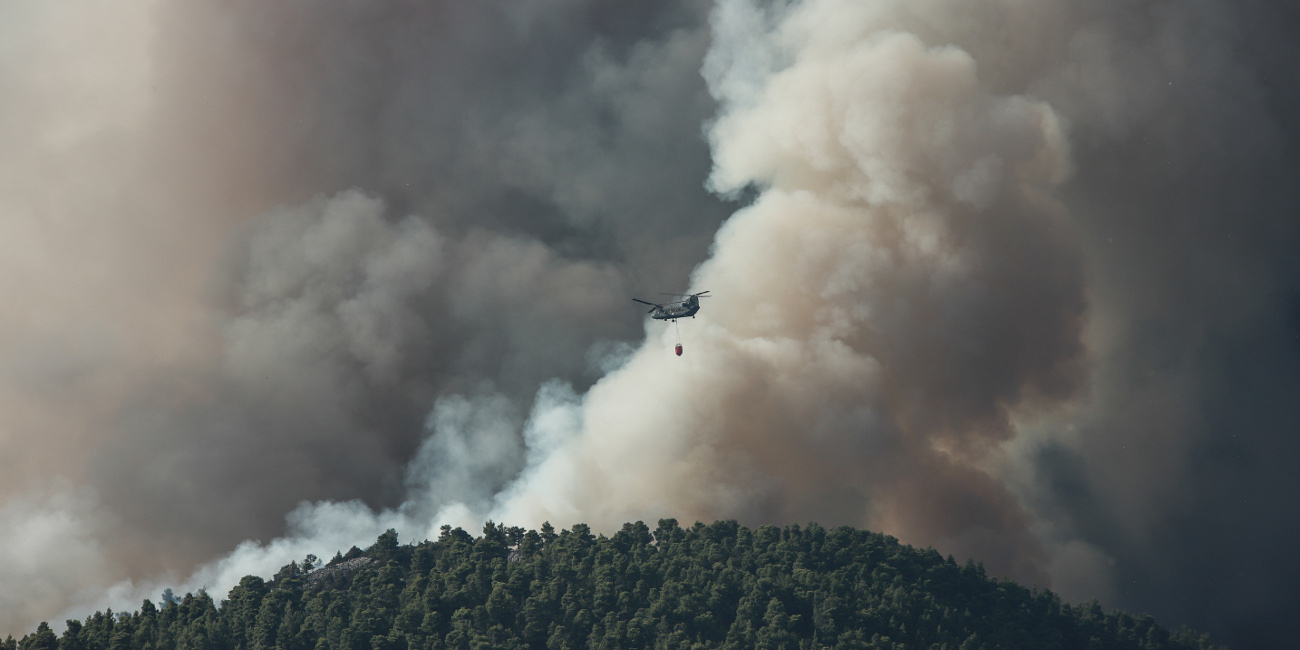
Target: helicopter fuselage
[{"x": 673, "y": 312}]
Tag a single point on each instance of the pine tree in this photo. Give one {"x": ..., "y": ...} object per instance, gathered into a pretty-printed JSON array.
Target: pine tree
[{"x": 43, "y": 639}]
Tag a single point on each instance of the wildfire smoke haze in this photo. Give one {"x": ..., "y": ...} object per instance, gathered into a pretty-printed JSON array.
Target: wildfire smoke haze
[{"x": 1011, "y": 279}]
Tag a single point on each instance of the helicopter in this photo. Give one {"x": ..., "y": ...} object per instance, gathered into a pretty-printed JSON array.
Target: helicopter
[
  {"x": 687, "y": 306},
  {"x": 676, "y": 309}
]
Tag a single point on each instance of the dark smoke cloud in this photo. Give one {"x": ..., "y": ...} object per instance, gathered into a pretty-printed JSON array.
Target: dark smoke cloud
[
  {"x": 213, "y": 326},
  {"x": 1015, "y": 280},
  {"x": 344, "y": 329},
  {"x": 1189, "y": 211}
]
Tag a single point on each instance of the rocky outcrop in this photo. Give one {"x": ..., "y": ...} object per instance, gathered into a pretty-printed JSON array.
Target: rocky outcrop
[{"x": 329, "y": 576}]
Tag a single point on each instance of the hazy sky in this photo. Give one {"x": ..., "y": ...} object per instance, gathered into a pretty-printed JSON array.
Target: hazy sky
[{"x": 1011, "y": 279}]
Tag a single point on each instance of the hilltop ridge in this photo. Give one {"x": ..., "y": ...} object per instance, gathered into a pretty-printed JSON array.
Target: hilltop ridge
[{"x": 706, "y": 586}]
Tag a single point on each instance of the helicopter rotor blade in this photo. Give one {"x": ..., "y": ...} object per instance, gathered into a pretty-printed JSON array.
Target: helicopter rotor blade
[{"x": 653, "y": 306}]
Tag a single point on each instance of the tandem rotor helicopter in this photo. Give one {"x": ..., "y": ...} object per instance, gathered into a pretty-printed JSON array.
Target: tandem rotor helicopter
[{"x": 671, "y": 311}]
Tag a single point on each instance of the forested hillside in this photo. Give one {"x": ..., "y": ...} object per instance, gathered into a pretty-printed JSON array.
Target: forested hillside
[{"x": 722, "y": 585}]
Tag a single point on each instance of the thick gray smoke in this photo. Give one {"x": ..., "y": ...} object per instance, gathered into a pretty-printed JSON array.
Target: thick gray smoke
[{"x": 1009, "y": 279}]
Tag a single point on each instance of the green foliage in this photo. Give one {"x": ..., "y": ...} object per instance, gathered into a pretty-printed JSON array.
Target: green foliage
[{"x": 715, "y": 586}]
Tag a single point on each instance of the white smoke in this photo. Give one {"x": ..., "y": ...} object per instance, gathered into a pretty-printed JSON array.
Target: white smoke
[
  {"x": 877, "y": 315},
  {"x": 50, "y": 552},
  {"x": 473, "y": 452}
]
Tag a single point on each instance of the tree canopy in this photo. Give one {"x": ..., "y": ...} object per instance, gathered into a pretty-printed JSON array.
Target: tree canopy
[{"x": 706, "y": 586}]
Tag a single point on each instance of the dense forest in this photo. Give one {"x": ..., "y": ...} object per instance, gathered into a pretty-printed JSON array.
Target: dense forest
[{"x": 717, "y": 586}]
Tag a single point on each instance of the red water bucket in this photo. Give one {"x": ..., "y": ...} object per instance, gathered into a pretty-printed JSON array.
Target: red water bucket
[{"x": 679, "y": 349}]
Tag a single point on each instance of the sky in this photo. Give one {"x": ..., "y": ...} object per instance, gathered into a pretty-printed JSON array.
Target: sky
[{"x": 1015, "y": 280}]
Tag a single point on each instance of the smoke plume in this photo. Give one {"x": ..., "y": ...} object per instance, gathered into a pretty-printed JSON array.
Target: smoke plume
[{"x": 1012, "y": 280}]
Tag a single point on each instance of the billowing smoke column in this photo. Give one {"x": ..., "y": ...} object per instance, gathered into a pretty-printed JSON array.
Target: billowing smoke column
[
  {"x": 901, "y": 285},
  {"x": 1015, "y": 280}
]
